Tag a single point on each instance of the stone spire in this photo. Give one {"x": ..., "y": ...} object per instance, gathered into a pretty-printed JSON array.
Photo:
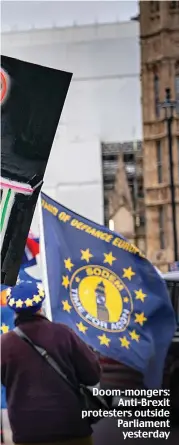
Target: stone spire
[{"x": 120, "y": 196}]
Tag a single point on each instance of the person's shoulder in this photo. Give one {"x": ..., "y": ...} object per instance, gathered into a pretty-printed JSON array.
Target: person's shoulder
[
  {"x": 63, "y": 328},
  {"x": 7, "y": 338}
]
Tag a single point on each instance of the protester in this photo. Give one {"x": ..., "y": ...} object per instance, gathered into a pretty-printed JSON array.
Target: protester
[{"x": 42, "y": 408}]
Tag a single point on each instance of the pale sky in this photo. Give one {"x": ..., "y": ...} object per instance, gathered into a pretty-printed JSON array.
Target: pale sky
[{"x": 21, "y": 15}]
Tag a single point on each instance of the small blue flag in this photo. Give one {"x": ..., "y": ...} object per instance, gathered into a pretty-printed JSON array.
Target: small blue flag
[{"x": 107, "y": 291}]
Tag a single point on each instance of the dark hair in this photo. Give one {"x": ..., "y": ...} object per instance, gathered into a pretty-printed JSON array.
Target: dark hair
[{"x": 25, "y": 316}]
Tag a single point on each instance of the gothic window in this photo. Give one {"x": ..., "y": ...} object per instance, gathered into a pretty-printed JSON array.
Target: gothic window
[
  {"x": 161, "y": 227},
  {"x": 177, "y": 87},
  {"x": 178, "y": 156},
  {"x": 142, "y": 220},
  {"x": 173, "y": 6},
  {"x": 154, "y": 7},
  {"x": 156, "y": 93},
  {"x": 159, "y": 161},
  {"x": 140, "y": 188}
]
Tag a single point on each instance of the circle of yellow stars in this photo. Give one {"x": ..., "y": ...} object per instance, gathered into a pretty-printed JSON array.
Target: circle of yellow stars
[
  {"x": 128, "y": 273},
  {"x": 29, "y": 301},
  {"x": 19, "y": 303}
]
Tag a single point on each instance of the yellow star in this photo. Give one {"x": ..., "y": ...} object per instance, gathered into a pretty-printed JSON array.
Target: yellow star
[
  {"x": 126, "y": 299},
  {"x": 81, "y": 327},
  {"x": 66, "y": 306},
  {"x": 11, "y": 302},
  {"x": 4, "y": 328},
  {"x": 86, "y": 255},
  {"x": 140, "y": 318},
  {"x": 77, "y": 279},
  {"x": 40, "y": 289},
  {"x": 8, "y": 292},
  {"x": 28, "y": 302},
  {"x": 65, "y": 281},
  {"x": 128, "y": 273},
  {"x": 109, "y": 258},
  {"x": 124, "y": 342},
  {"x": 140, "y": 295},
  {"x": 37, "y": 298},
  {"x": 68, "y": 264},
  {"x": 134, "y": 335},
  {"x": 104, "y": 340},
  {"x": 19, "y": 303}
]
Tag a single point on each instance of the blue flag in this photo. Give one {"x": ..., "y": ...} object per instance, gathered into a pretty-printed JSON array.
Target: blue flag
[{"x": 106, "y": 291}]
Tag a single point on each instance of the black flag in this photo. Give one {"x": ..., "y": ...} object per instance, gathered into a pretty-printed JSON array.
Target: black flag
[{"x": 32, "y": 99}]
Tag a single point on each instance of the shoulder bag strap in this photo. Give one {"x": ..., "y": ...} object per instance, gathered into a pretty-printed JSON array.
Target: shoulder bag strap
[{"x": 44, "y": 354}]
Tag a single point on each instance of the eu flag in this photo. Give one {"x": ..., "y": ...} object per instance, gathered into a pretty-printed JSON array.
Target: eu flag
[{"x": 106, "y": 291}]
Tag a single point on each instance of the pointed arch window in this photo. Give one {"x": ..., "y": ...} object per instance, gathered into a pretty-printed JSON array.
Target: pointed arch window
[
  {"x": 154, "y": 7},
  {"x": 177, "y": 87},
  {"x": 173, "y": 6},
  {"x": 161, "y": 227},
  {"x": 178, "y": 156},
  {"x": 159, "y": 162},
  {"x": 156, "y": 93}
]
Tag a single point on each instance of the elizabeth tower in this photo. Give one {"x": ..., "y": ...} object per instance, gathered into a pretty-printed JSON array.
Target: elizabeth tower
[{"x": 159, "y": 42}]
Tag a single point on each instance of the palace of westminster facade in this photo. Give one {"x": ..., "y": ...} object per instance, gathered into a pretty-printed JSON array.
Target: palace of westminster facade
[
  {"x": 147, "y": 203},
  {"x": 159, "y": 40}
]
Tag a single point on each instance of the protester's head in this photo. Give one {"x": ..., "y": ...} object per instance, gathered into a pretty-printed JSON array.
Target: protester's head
[{"x": 26, "y": 298}]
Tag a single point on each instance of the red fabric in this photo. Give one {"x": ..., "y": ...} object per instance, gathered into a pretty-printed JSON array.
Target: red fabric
[
  {"x": 116, "y": 375},
  {"x": 33, "y": 246},
  {"x": 110, "y": 361}
]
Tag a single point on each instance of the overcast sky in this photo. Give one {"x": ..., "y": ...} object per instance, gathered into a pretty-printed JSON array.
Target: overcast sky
[{"x": 41, "y": 14}]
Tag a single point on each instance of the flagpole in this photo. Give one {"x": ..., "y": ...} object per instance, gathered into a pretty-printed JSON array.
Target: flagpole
[
  {"x": 7, "y": 202},
  {"x": 43, "y": 262}
]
